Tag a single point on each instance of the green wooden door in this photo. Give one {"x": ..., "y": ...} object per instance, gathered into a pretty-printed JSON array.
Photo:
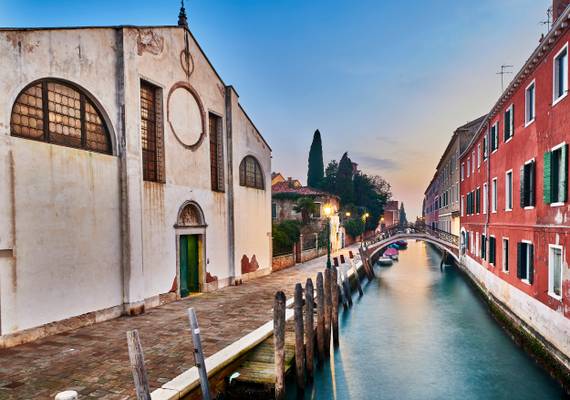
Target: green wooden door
[{"x": 189, "y": 275}]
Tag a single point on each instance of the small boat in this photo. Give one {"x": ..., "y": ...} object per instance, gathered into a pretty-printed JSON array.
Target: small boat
[
  {"x": 385, "y": 261},
  {"x": 392, "y": 253},
  {"x": 402, "y": 244}
]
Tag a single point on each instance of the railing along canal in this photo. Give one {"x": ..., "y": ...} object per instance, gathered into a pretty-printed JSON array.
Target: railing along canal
[{"x": 416, "y": 228}]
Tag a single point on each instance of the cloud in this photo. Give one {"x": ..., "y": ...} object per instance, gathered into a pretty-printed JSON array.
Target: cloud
[{"x": 375, "y": 164}]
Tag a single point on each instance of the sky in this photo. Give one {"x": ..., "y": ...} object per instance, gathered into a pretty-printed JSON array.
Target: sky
[{"x": 386, "y": 81}]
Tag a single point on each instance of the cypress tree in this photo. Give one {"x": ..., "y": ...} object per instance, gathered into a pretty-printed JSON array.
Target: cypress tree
[
  {"x": 403, "y": 217},
  {"x": 316, "y": 171},
  {"x": 344, "y": 186}
]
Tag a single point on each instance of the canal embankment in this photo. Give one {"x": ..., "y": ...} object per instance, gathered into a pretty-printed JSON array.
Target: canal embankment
[{"x": 542, "y": 332}]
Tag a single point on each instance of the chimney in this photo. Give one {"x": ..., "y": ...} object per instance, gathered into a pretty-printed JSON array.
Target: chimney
[{"x": 558, "y": 7}]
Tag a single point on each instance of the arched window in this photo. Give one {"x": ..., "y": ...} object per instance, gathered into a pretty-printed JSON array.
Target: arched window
[
  {"x": 250, "y": 173},
  {"x": 57, "y": 112}
]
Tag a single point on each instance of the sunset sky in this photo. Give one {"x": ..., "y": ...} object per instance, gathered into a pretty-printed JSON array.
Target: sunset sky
[{"x": 387, "y": 81}]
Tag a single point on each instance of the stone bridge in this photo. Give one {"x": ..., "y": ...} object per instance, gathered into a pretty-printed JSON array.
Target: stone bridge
[{"x": 445, "y": 241}]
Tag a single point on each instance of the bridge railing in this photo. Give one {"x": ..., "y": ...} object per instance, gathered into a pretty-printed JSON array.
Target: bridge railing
[{"x": 411, "y": 228}]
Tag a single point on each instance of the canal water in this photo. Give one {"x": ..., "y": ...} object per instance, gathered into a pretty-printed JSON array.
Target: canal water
[{"x": 420, "y": 333}]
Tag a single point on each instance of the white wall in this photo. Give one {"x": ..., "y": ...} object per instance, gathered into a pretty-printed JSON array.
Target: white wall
[{"x": 552, "y": 325}]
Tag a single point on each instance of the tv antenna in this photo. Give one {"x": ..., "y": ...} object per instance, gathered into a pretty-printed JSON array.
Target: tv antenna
[
  {"x": 504, "y": 71},
  {"x": 548, "y": 21}
]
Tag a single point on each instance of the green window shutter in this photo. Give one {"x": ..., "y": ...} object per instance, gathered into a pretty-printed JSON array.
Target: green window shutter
[
  {"x": 547, "y": 184},
  {"x": 530, "y": 263},
  {"x": 532, "y": 184},
  {"x": 522, "y": 189},
  {"x": 563, "y": 191},
  {"x": 519, "y": 260}
]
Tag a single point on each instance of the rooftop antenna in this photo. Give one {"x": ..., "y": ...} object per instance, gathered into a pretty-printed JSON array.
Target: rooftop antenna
[
  {"x": 182, "y": 20},
  {"x": 548, "y": 21},
  {"x": 502, "y": 73}
]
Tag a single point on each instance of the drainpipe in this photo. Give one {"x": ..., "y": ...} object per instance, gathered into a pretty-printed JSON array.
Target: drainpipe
[{"x": 488, "y": 187}]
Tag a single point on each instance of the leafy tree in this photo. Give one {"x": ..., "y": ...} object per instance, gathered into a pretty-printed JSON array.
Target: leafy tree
[
  {"x": 285, "y": 234},
  {"x": 403, "y": 217},
  {"x": 371, "y": 193},
  {"x": 329, "y": 182},
  {"x": 354, "y": 227},
  {"x": 316, "y": 173},
  {"x": 306, "y": 206},
  {"x": 344, "y": 186}
]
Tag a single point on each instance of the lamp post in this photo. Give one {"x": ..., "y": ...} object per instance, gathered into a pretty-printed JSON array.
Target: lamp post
[
  {"x": 328, "y": 212},
  {"x": 364, "y": 218}
]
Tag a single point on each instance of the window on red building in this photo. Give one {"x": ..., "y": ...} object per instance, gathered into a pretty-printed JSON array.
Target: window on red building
[
  {"x": 530, "y": 103},
  {"x": 555, "y": 271},
  {"x": 509, "y": 125},
  {"x": 509, "y": 190},
  {"x": 527, "y": 180},
  {"x": 495, "y": 137},
  {"x": 556, "y": 175},
  {"x": 525, "y": 261},
  {"x": 560, "y": 75},
  {"x": 494, "y": 195},
  {"x": 492, "y": 250},
  {"x": 505, "y": 255}
]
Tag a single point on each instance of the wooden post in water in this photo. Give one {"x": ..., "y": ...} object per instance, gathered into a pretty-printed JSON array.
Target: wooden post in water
[
  {"x": 199, "y": 354},
  {"x": 328, "y": 310},
  {"x": 335, "y": 301},
  {"x": 320, "y": 319},
  {"x": 309, "y": 330},
  {"x": 340, "y": 288},
  {"x": 299, "y": 337},
  {"x": 279, "y": 340},
  {"x": 357, "y": 276},
  {"x": 136, "y": 357},
  {"x": 346, "y": 286}
]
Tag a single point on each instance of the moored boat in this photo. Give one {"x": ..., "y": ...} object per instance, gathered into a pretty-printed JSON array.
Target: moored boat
[
  {"x": 392, "y": 253},
  {"x": 385, "y": 261}
]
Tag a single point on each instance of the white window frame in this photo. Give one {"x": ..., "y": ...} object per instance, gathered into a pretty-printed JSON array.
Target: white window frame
[
  {"x": 473, "y": 162},
  {"x": 462, "y": 172},
  {"x": 479, "y": 156},
  {"x": 532, "y": 160},
  {"x": 468, "y": 167},
  {"x": 477, "y": 251},
  {"x": 503, "y": 258},
  {"x": 558, "y": 146},
  {"x": 528, "y": 121},
  {"x": 494, "y": 194},
  {"x": 509, "y": 191},
  {"x": 525, "y": 280},
  {"x": 462, "y": 206},
  {"x": 556, "y": 100},
  {"x": 510, "y": 110},
  {"x": 494, "y": 264},
  {"x": 495, "y": 127},
  {"x": 550, "y": 281},
  {"x": 485, "y": 195}
]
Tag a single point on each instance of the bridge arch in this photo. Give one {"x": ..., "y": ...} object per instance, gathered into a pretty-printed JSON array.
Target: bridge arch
[{"x": 374, "y": 248}]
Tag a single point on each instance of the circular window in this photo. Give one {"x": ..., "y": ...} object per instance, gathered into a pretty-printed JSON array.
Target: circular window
[{"x": 185, "y": 115}]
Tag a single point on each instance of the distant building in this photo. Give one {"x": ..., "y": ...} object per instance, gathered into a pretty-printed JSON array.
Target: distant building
[
  {"x": 391, "y": 215},
  {"x": 276, "y": 177},
  {"x": 284, "y": 199},
  {"x": 130, "y": 176},
  {"x": 442, "y": 198}
]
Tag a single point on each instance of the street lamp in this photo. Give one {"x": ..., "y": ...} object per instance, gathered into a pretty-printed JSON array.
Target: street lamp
[
  {"x": 364, "y": 218},
  {"x": 347, "y": 214},
  {"x": 328, "y": 212}
]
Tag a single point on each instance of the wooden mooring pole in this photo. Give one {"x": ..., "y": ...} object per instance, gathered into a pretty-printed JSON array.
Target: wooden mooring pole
[
  {"x": 328, "y": 310},
  {"x": 335, "y": 301},
  {"x": 346, "y": 286},
  {"x": 320, "y": 319},
  {"x": 299, "y": 337},
  {"x": 340, "y": 288},
  {"x": 279, "y": 339},
  {"x": 357, "y": 276},
  {"x": 309, "y": 329},
  {"x": 138, "y": 368},
  {"x": 199, "y": 354}
]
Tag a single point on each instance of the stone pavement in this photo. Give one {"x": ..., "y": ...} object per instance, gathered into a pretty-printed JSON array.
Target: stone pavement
[{"x": 94, "y": 360}]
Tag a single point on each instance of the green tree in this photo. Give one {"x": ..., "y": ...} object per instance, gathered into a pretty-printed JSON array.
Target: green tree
[
  {"x": 285, "y": 235},
  {"x": 344, "y": 185},
  {"x": 403, "y": 217},
  {"x": 329, "y": 181},
  {"x": 353, "y": 227},
  {"x": 371, "y": 192},
  {"x": 316, "y": 173},
  {"x": 306, "y": 206}
]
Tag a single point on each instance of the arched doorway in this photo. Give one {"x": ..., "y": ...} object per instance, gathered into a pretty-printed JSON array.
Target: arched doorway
[{"x": 190, "y": 238}]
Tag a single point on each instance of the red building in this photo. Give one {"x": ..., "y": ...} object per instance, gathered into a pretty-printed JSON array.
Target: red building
[{"x": 515, "y": 211}]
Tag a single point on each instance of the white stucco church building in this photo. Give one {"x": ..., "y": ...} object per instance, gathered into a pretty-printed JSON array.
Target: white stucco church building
[{"x": 130, "y": 176}]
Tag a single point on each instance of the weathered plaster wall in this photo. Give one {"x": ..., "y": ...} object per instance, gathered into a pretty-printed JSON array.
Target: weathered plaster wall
[
  {"x": 552, "y": 325},
  {"x": 59, "y": 206},
  {"x": 252, "y": 206}
]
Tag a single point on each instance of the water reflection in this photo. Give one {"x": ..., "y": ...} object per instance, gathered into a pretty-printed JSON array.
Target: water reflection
[{"x": 421, "y": 333}]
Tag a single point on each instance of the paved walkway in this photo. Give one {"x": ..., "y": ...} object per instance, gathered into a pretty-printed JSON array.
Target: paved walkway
[{"x": 94, "y": 360}]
